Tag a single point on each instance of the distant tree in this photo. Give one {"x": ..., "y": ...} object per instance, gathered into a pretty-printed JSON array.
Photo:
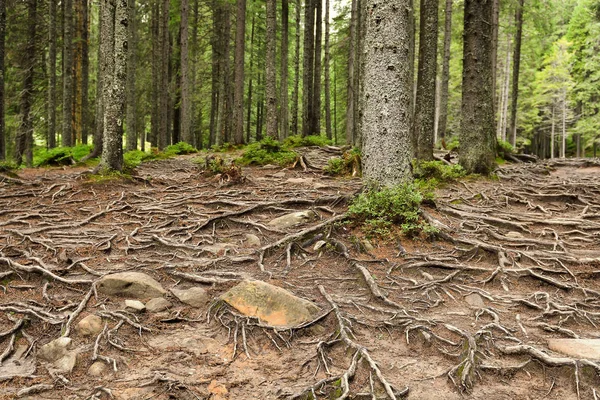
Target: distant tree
[
  {"x": 445, "y": 80},
  {"x": 239, "y": 62},
  {"x": 270, "y": 76},
  {"x": 67, "y": 118},
  {"x": 51, "y": 134},
  {"x": 131, "y": 73}
]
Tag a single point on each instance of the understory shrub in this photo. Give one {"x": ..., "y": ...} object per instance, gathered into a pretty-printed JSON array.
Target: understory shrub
[
  {"x": 439, "y": 171},
  {"x": 267, "y": 151},
  {"x": 348, "y": 164},
  {"x": 311, "y": 140},
  {"x": 43, "y": 157}
]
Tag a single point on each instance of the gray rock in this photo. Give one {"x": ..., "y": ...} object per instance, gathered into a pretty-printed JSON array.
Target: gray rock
[
  {"x": 218, "y": 249},
  {"x": 279, "y": 175},
  {"x": 252, "y": 240},
  {"x": 54, "y": 350},
  {"x": 134, "y": 305},
  {"x": 514, "y": 235},
  {"x": 300, "y": 181},
  {"x": 64, "y": 365},
  {"x": 132, "y": 284},
  {"x": 272, "y": 304},
  {"x": 97, "y": 369},
  {"x": 475, "y": 300},
  {"x": 578, "y": 348},
  {"x": 319, "y": 245},
  {"x": 90, "y": 325},
  {"x": 292, "y": 219},
  {"x": 367, "y": 245},
  {"x": 195, "y": 296},
  {"x": 158, "y": 304},
  {"x": 17, "y": 365}
]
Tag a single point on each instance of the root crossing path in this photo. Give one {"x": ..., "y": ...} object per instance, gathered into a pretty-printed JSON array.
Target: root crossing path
[{"x": 504, "y": 304}]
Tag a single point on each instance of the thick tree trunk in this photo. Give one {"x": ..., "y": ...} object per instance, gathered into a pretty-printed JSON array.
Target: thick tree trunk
[
  {"x": 187, "y": 135},
  {"x": 156, "y": 63},
  {"x": 195, "y": 83},
  {"x": 308, "y": 67},
  {"x": 270, "y": 76},
  {"x": 250, "y": 81},
  {"x": 163, "y": 112},
  {"x": 67, "y": 120},
  {"x": 443, "y": 118},
  {"x": 77, "y": 70},
  {"x": 114, "y": 86},
  {"x": 131, "y": 71},
  {"x": 387, "y": 93},
  {"x": 24, "y": 139},
  {"x": 350, "y": 106},
  {"x": 424, "y": 121},
  {"x": 296, "y": 89},
  {"x": 99, "y": 110},
  {"x": 495, "y": 18},
  {"x": 284, "y": 108},
  {"x": 316, "y": 129},
  {"x": 326, "y": 67},
  {"x": 238, "y": 94},
  {"x": 225, "y": 116},
  {"x": 85, "y": 73},
  {"x": 515, "y": 73},
  {"x": 51, "y": 134},
  {"x": 2, "y": 43},
  {"x": 477, "y": 138},
  {"x": 215, "y": 72}
]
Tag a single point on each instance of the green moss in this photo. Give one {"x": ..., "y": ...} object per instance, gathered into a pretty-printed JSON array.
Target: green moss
[
  {"x": 503, "y": 149},
  {"x": 105, "y": 176},
  {"x": 180, "y": 148},
  {"x": 439, "y": 171},
  {"x": 302, "y": 141},
  {"x": 267, "y": 151},
  {"x": 43, "y": 157},
  {"x": 348, "y": 164}
]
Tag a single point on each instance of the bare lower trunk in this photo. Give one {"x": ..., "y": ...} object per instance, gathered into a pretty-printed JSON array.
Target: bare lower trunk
[
  {"x": 270, "y": 78},
  {"x": 326, "y": 67},
  {"x": 85, "y": 74},
  {"x": 552, "y": 135},
  {"x": 295, "y": 91},
  {"x": 443, "y": 120},
  {"x": 238, "y": 94},
  {"x": 516, "y": 70},
  {"x": 316, "y": 118},
  {"x": 163, "y": 112},
  {"x": 350, "y": 129},
  {"x": 250, "y": 81},
  {"x": 563, "y": 148},
  {"x": 67, "y": 118},
  {"x": 51, "y": 135},
  {"x": 283, "y": 100},
  {"x": 308, "y": 68},
  {"x": 131, "y": 66}
]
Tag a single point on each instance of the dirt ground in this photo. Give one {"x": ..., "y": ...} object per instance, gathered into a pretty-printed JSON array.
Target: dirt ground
[{"x": 465, "y": 316}]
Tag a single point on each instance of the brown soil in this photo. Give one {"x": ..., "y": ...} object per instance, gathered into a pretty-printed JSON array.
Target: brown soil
[{"x": 524, "y": 251}]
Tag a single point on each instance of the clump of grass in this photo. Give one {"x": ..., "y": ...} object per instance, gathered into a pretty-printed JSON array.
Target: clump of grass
[
  {"x": 504, "y": 149},
  {"x": 302, "y": 141},
  {"x": 106, "y": 176},
  {"x": 180, "y": 148},
  {"x": 378, "y": 211},
  {"x": 225, "y": 147},
  {"x": 134, "y": 158},
  {"x": 43, "y": 157},
  {"x": 267, "y": 151},
  {"x": 439, "y": 171},
  {"x": 348, "y": 164}
]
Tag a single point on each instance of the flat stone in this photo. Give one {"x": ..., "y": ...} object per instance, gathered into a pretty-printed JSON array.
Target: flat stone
[
  {"x": 292, "y": 219},
  {"x": 16, "y": 365},
  {"x": 195, "y": 296},
  {"x": 300, "y": 181},
  {"x": 578, "y": 348},
  {"x": 158, "y": 304},
  {"x": 514, "y": 235},
  {"x": 319, "y": 185},
  {"x": 252, "y": 240},
  {"x": 90, "y": 325},
  {"x": 279, "y": 175},
  {"x": 272, "y": 304},
  {"x": 218, "y": 249},
  {"x": 131, "y": 284},
  {"x": 55, "y": 349},
  {"x": 475, "y": 300},
  {"x": 65, "y": 364},
  {"x": 97, "y": 368},
  {"x": 135, "y": 305}
]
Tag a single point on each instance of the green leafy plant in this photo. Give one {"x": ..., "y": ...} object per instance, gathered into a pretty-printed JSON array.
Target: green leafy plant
[
  {"x": 43, "y": 157},
  {"x": 348, "y": 164},
  {"x": 267, "y": 151},
  {"x": 503, "y": 149},
  {"x": 439, "y": 171},
  {"x": 179, "y": 149},
  {"x": 301, "y": 141}
]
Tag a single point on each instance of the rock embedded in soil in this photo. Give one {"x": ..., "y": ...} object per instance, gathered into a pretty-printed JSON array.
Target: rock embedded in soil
[
  {"x": 252, "y": 240},
  {"x": 90, "y": 325},
  {"x": 54, "y": 350},
  {"x": 292, "y": 219},
  {"x": 195, "y": 296},
  {"x": 134, "y": 305},
  {"x": 218, "y": 249},
  {"x": 97, "y": 368},
  {"x": 300, "y": 181},
  {"x": 271, "y": 304},
  {"x": 475, "y": 300},
  {"x": 65, "y": 364},
  {"x": 132, "y": 284},
  {"x": 576, "y": 348},
  {"x": 158, "y": 304}
]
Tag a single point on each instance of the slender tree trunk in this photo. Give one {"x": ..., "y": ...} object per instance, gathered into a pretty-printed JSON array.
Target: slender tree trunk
[
  {"x": 308, "y": 67},
  {"x": 85, "y": 73},
  {"x": 259, "y": 111},
  {"x": 2, "y": 46},
  {"x": 77, "y": 71},
  {"x": 477, "y": 138},
  {"x": 424, "y": 121},
  {"x": 196, "y": 109},
  {"x": 495, "y": 29},
  {"x": 271, "y": 78},
  {"x": 516, "y": 70},
  {"x": 155, "y": 99},
  {"x": 51, "y": 135},
  {"x": 99, "y": 110},
  {"x": 115, "y": 81},
  {"x": 131, "y": 72},
  {"x": 563, "y": 148},
  {"x": 326, "y": 66},
  {"x": 387, "y": 96},
  {"x": 552, "y": 135},
  {"x": 187, "y": 135},
  {"x": 163, "y": 127},
  {"x": 350, "y": 113},
  {"x": 24, "y": 139},
  {"x": 215, "y": 72},
  {"x": 506, "y": 85},
  {"x": 224, "y": 123},
  {"x": 335, "y": 118},
  {"x": 296, "y": 89},
  {"x": 238, "y": 94},
  {"x": 250, "y": 81},
  {"x": 443, "y": 119},
  {"x": 316, "y": 129},
  {"x": 359, "y": 72},
  {"x": 285, "y": 44},
  {"x": 67, "y": 122}
]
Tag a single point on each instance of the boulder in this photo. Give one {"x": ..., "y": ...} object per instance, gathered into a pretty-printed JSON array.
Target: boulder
[
  {"x": 54, "y": 350},
  {"x": 195, "y": 296},
  {"x": 271, "y": 304},
  {"x": 158, "y": 304},
  {"x": 292, "y": 219},
  {"x": 132, "y": 284},
  {"x": 90, "y": 325},
  {"x": 577, "y": 348},
  {"x": 64, "y": 365},
  {"x": 135, "y": 305}
]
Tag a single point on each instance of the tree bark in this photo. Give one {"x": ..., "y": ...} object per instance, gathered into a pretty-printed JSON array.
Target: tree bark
[
  {"x": 2, "y": 47},
  {"x": 563, "y": 148},
  {"x": 350, "y": 113},
  {"x": 284, "y": 109},
  {"x": 238, "y": 94},
  {"x": 250, "y": 81},
  {"x": 494, "y": 48},
  {"x": 308, "y": 67},
  {"x": 115, "y": 80},
  {"x": 552, "y": 135},
  {"x": 326, "y": 67},
  {"x": 187, "y": 135},
  {"x": 67, "y": 122},
  {"x": 388, "y": 94},
  {"x": 270, "y": 76},
  {"x": 154, "y": 100},
  {"x": 163, "y": 112},
  {"x": 316, "y": 128},
  {"x": 85, "y": 73},
  {"x": 51, "y": 134},
  {"x": 424, "y": 120},
  {"x": 99, "y": 109},
  {"x": 516, "y": 70},
  {"x": 131, "y": 72},
  {"x": 477, "y": 138},
  {"x": 296, "y": 89},
  {"x": 215, "y": 72},
  {"x": 443, "y": 118}
]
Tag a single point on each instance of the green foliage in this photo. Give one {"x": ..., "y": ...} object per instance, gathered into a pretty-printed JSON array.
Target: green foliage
[
  {"x": 453, "y": 144},
  {"x": 106, "y": 176},
  {"x": 348, "y": 164},
  {"x": 43, "y": 157},
  {"x": 503, "y": 149},
  {"x": 439, "y": 171},
  {"x": 267, "y": 151},
  {"x": 312, "y": 140},
  {"x": 133, "y": 158},
  {"x": 379, "y": 210},
  {"x": 225, "y": 147},
  {"x": 6, "y": 166},
  {"x": 180, "y": 148}
]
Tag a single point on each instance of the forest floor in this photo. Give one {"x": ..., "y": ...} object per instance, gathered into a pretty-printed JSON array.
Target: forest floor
[{"x": 468, "y": 315}]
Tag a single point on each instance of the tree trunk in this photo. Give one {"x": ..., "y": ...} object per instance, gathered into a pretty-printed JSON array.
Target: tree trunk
[
  {"x": 215, "y": 72},
  {"x": 308, "y": 68},
  {"x": 85, "y": 73},
  {"x": 238, "y": 94},
  {"x": 195, "y": 84},
  {"x": 327, "y": 78},
  {"x": 114, "y": 85},
  {"x": 99, "y": 109},
  {"x": 387, "y": 97},
  {"x": 67, "y": 122},
  {"x": 250, "y": 81},
  {"x": 495, "y": 18},
  {"x": 224, "y": 122},
  {"x": 477, "y": 138},
  {"x": 563, "y": 148},
  {"x": 2, "y": 43},
  {"x": 316, "y": 129},
  {"x": 424, "y": 121},
  {"x": 335, "y": 131},
  {"x": 131, "y": 71},
  {"x": 443, "y": 119},
  {"x": 503, "y": 109},
  {"x": 51, "y": 134},
  {"x": 359, "y": 71},
  {"x": 296, "y": 89},
  {"x": 285, "y": 44},
  {"x": 77, "y": 73},
  {"x": 187, "y": 135},
  {"x": 552, "y": 135},
  {"x": 350, "y": 113},
  {"x": 154, "y": 100},
  {"x": 515, "y": 73},
  {"x": 270, "y": 77},
  {"x": 163, "y": 123},
  {"x": 24, "y": 139}
]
